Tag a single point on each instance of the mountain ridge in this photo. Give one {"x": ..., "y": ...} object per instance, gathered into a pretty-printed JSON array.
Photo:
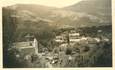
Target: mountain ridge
[{"x": 61, "y": 16}]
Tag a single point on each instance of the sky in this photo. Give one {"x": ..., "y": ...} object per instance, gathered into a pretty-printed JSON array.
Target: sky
[{"x": 52, "y": 3}]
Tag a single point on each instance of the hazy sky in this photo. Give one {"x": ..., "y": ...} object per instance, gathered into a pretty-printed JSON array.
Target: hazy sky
[{"x": 53, "y": 3}]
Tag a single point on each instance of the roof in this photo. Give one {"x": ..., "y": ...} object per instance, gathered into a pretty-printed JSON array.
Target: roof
[
  {"x": 23, "y": 45},
  {"x": 27, "y": 37}
]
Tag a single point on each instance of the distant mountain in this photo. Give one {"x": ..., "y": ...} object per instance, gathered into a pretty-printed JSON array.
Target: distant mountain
[
  {"x": 92, "y": 6},
  {"x": 54, "y": 16},
  {"x": 85, "y": 13},
  {"x": 97, "y": 8}
]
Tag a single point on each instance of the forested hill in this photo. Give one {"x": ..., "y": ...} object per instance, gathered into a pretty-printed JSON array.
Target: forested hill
[{"x": 99, "y": 8}]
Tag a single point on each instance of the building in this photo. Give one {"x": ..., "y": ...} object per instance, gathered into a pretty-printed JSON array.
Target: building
[
  {"x": 68, "y": 37},
  {"x": 28, "y": 46}
]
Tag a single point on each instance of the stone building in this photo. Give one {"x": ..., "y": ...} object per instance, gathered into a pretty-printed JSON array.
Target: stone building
[{"x": 28, "y": 46}]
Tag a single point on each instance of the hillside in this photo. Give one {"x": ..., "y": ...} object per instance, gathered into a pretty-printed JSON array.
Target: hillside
[
  {"x": 35, "y": 18},
  {"x": 92, "y": 7},
  {"x": 97, "y": 8},
  {"x": 76, "y": 15},
  {"x": 49, "y": 14}
]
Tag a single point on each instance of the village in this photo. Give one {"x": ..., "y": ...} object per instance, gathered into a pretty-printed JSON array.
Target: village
[{"x": 73, "y": 50}]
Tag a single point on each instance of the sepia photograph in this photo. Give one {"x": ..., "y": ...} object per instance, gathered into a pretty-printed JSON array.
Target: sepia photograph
[{"x": 57, "y": 33}]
